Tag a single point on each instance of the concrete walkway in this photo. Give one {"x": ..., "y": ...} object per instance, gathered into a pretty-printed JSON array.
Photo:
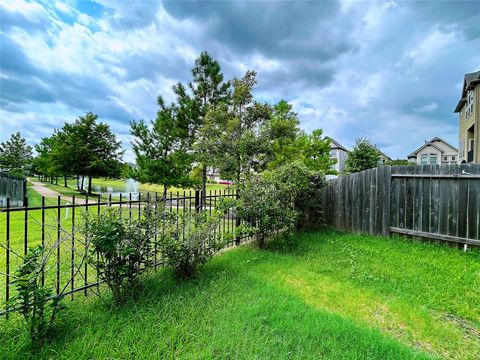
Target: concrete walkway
[{"x": 40, "y": 188}]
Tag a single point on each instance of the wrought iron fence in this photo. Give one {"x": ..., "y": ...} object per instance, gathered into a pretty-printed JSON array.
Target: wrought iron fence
[{"x": 56, "y": 220}]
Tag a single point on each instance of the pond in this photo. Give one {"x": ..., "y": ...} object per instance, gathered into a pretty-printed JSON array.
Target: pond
[{"x": 130, "y": 186}]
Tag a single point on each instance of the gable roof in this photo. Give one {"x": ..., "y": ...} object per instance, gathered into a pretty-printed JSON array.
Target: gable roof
[
  {"x": 431, "y": 143},
  {"x": 383, "y": 154},
  {"x": 335, "y": 144},
  {"x": 469, "y": 83}
]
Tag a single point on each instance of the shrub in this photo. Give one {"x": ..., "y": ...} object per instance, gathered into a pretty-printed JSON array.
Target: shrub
[
  {"x": 281, "y": 200},
  {"x": 120, "y": 247},
  {"x": 192, "y": 239},
  {"x": 33, "y": 300}
]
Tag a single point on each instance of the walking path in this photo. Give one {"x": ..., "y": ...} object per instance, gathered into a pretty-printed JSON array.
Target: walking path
[{"x": 40, "y": 188}]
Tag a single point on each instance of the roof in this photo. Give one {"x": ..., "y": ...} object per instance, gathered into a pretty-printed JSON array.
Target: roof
[
  {"x": 469, "y": 82},
  {"x": 383, "y": 154},
  {"x": 335, "y": 144},
  {"x": 431, "y": 143}
]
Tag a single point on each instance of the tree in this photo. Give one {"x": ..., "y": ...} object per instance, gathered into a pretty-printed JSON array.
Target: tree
[
  {"x": 400, "y": 162},
  {"x": 207, "y": 90},
  {"x": 364, "y": 155},
  {"x": 316, "y": 152},
  {"x": 15, "y": 154},
  {"x": 44, "y": 163},
  {"x": 162, "y": 150},
  {"x": 233, "y": 135},
  {"x": 283, "y": 132},
  {"x": 87, "y": 148}
]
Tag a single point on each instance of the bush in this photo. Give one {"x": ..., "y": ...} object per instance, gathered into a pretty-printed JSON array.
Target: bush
[
  {"x": 120, "y": 247},
  {"x": 281, "y": 200},
  {"x": 192, "y": 239},
  {"x": 34, "y": 301}
]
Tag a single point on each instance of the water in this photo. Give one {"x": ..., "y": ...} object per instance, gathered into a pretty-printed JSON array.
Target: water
[{"x": 130, "y": 186}]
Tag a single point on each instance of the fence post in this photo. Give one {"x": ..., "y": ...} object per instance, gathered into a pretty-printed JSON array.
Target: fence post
[
  {"x": 386, "y": 201},
  {"x": 197, "y": 201},
  {"x": 237, "y": 220}
]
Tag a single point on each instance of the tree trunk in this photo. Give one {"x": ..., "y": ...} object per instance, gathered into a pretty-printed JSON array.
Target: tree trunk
[
  {"x": 89, "y": 184},
  {"x": 83, "y": 179},
  {"x": 164, "y": 192},
  {"x": 204, "y": 185},
  {"x": 65, "y": 180}
]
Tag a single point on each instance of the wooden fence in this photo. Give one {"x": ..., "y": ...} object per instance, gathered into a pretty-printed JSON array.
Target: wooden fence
[{"x": 436, "y": 202}]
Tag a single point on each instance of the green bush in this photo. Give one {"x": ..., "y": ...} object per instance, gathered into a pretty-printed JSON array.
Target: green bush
[
  {"x": 36, "y": 302},
  {"x": 280, "y": 200},
  {"x": 120, "y": 247},
  {"x": 192, "y": 239}
]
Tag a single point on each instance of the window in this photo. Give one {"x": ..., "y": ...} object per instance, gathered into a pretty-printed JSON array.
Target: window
[
  {"x": 433, "y": 159},
  {"x": 469, "y": 106},
  {"x": 445, "y": 158},
  {"x": 462, "y": 149},
  {"x": 453, "y": 158},
  {"x": 424, "y": 159},
  {"x": 332, "y": 153}
]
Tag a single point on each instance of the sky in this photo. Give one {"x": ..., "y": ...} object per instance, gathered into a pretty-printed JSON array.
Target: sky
[{"x": 390, "y": 71}]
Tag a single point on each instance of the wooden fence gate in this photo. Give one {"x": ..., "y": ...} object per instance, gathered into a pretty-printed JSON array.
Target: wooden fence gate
[{"x": 436, "y": 202}]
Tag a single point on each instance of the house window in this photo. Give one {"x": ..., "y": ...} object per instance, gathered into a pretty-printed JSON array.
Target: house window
[
  {"x": 445, "y": 158},
  {"x": 453, "y": 158},
  {"x": 469, "y": 106},
  {"x": 332, "y": 153},
  {"x": 462, "y": 149},
  {"x": 433, "y": 159},
  {"x": 424, "y": 159}
]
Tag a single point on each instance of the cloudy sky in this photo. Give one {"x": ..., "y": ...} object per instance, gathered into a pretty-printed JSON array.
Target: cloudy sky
[{"x": 390, "y": 71}]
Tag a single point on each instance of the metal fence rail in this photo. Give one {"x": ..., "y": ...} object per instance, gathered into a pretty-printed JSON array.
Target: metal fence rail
[
  {"x": 435, "y": 202},
  {"x": 26, "y": 226}
]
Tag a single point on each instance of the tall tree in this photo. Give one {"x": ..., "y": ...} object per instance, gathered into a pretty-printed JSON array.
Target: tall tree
[
  {"x": 283, "y": 133},
  {"x": 161, "y": 150},
  {"x": 15, "y": 154},
  {"x": 233, "y": 134},
  {"x": 87, "y": 148},
  {"x": 316, "y": 152},
  {"x": 206, "y": 90},
  {"x": 363, "y": 156},
  {"x": 44, "y": 163}
]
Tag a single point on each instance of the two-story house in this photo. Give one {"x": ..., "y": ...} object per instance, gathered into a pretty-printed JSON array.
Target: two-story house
[
  {"x": 339, "y": 153},
  {"x": 434, "y": 152},
  {"x": 468, "y": 109}
]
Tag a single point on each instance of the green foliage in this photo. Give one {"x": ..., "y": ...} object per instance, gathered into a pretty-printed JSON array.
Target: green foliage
[
  {"x": 191, "y": 239},
  {"x": 280, "y": 200},
  {"x": 363, "y": 156},
  {"x": 233, "y": 135},
  {"x": 398, "y": 162},
  {"x": 15, "y": 154},
  {"x": 34, "y": 301},
  {"x": 316, "y": 152},
  {"x": 120, "y": 247},
  {"x": 283, "y": 133},
  {"x": 83, "y": 147},
  {"x": 300, "y": 186},
  {"x": 162, "y": 150}
]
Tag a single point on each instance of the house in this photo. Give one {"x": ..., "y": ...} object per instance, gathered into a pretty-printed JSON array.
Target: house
[
  {"x": 339, "y": 153},
  {"x": 434, "y": 152},
  {"x": 468, "y": 109},
  {"x": 383, "y": 157}
]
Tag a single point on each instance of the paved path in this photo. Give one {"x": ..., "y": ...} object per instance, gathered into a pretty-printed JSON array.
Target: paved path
[{"x": 40, "y": 188}]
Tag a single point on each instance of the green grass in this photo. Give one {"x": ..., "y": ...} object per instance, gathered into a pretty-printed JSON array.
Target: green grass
[{"x": 329, "y": 295}]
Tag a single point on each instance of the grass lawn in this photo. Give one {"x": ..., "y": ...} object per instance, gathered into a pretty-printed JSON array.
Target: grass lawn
[{"x": 330, "y": 295}]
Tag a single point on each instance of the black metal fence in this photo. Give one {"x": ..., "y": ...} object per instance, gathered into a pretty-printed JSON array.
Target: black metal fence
[{"x": 56, "y": 220}]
